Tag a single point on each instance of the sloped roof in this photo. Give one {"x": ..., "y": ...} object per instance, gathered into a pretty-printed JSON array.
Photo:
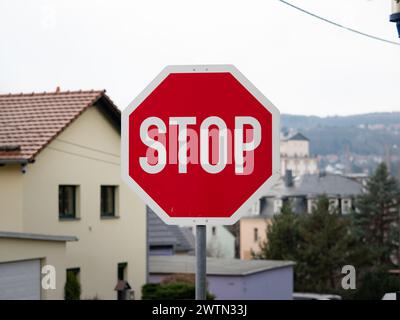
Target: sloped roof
[
  {"x": 28, "y": 122},
  {"x": 158, "y": 232},
  {"x": 298, "y": 136},
  {"x": 161, "y": 234},
  {"x": 317, "y": 185}
]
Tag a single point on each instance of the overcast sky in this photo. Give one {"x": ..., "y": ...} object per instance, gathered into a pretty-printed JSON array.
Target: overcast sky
[{"x": 303, "y": 65}]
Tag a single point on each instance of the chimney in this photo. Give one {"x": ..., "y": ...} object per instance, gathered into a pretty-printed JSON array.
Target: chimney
[
  {"x": 288, "y": 178},
  {"x": 57, "y": 89}
]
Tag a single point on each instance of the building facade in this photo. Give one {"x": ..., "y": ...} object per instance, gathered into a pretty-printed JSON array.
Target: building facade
[
  {"x": 253, "y": 233},
  {"x": 60, "y": 175},
  {"x": 295, "y": 155}
]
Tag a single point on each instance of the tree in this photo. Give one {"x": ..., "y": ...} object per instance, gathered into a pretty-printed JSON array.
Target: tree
[
  {"x": 72, "y": 289},
  {"x": 375, "y": 284},
  {"x": 283, "y": 236},
  {"x": 327, "y": 244},
  {"x": 320, "y": 244},
  {"x": 377, "y": 216}
]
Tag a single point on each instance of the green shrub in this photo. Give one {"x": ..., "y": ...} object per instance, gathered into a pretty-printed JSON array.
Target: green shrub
[
  {"x": 170, "y": 291},
  {"x": 72, "y": 289},
  {"x": 375, "y": 284}
]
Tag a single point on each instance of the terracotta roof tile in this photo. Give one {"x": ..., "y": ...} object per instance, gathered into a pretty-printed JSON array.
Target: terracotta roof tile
[{"x": 30, "y": 121}]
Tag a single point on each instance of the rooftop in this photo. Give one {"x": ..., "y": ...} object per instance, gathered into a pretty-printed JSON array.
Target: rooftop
[
  {"x": 215, "y": 266},
  {"x": 28, "y": 122},
  {"x": 161, "y": 234},
  {"x": 316, "y": 185},
  {"x": 296, "y": 136}
]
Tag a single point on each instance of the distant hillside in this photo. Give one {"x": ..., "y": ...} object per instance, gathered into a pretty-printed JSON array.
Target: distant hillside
[
  {"x": 306, "y": 122},
  {"x": 365, "y": 134}
]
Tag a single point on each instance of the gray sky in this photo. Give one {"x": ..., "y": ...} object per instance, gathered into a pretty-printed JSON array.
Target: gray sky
[{"x": 303, "y": 65}]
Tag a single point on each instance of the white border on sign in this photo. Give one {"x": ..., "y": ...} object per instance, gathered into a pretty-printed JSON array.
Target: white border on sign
[{"x": 275, "y": 144}]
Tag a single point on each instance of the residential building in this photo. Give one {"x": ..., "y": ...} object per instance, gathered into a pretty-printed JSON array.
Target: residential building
[
  {"x": 63, "y": 202},
  {"x": 253, "y": 233},
  {"x": 232, "y": 279},
  {"x": 302, "y": 193},
  {"x": 295, "y": 155}
]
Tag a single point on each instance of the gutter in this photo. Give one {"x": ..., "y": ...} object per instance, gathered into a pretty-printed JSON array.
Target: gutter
[{"x": 15, "y": 161}]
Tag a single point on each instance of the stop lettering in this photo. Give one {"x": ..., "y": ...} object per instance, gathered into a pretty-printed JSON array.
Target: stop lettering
[{"x": 223, "y": 143}]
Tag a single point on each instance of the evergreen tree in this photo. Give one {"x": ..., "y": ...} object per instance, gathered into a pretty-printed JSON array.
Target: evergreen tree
[
  {"x": 283, "y": 236},
  {"x": 72, "y": 288},
  {"x": 320, "y": 244},
  {"x": 326, "y": 245},
  {"x": 377, "y": 216}
]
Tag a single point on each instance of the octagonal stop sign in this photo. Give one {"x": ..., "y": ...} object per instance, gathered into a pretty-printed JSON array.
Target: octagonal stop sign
[{"x": 200, "y": 144}]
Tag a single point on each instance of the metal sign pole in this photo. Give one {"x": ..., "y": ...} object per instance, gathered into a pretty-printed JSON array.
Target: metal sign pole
[{"x": 201, "y": 262}]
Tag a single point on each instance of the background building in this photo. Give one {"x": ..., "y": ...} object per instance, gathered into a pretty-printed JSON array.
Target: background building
[
  {"x": 295, "y": 155},
  {"x": 302, "y": 193}
]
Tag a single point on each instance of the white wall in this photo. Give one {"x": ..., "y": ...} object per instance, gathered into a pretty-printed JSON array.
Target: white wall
[
  {"x": 222, "y": 244},
  {"x": 292, "y": 148}
]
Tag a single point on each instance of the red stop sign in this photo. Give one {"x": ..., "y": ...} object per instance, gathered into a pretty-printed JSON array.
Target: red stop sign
[{"x": 200, "y": 144}]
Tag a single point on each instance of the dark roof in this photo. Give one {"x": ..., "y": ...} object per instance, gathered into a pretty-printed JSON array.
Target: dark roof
[
  {"x": 316, "y": 185},
  {"x": 298, "y": 136},
  {"x": 35, "y": 236},
  {"x": 28, "y": 122},
  {"x": 161, "y": 234},
  {"x": 215, "y": 266}
]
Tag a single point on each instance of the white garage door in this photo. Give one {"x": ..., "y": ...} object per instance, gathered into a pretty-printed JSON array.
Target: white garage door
[{"x": 20, "y": 280}]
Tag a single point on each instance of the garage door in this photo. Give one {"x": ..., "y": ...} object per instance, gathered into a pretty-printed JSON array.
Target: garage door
[{"x": 20, "y": 280}]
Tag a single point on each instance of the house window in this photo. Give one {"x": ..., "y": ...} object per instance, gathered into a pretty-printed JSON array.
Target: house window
[
  {"x": 214, "y": 231},
  {"x": 255, "y": 234},
  {"x": 333, "y": 205},
  {"x": 278, "y": 203},
  {"x": 107, "y": 201},
  {"x": 346, "y": 206},
  {"x": 67, "y": 202}
]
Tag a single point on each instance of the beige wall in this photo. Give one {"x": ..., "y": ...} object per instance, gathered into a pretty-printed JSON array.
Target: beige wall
[
  {"x": 247, "y": 240},
  {"x": 11, "y": 184},
  {"x": 299, "y": 166},
  {"x": 291, "y": 148},
  {"x": 49, "y": 252},
  {"x": 102, "y": 243}
]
